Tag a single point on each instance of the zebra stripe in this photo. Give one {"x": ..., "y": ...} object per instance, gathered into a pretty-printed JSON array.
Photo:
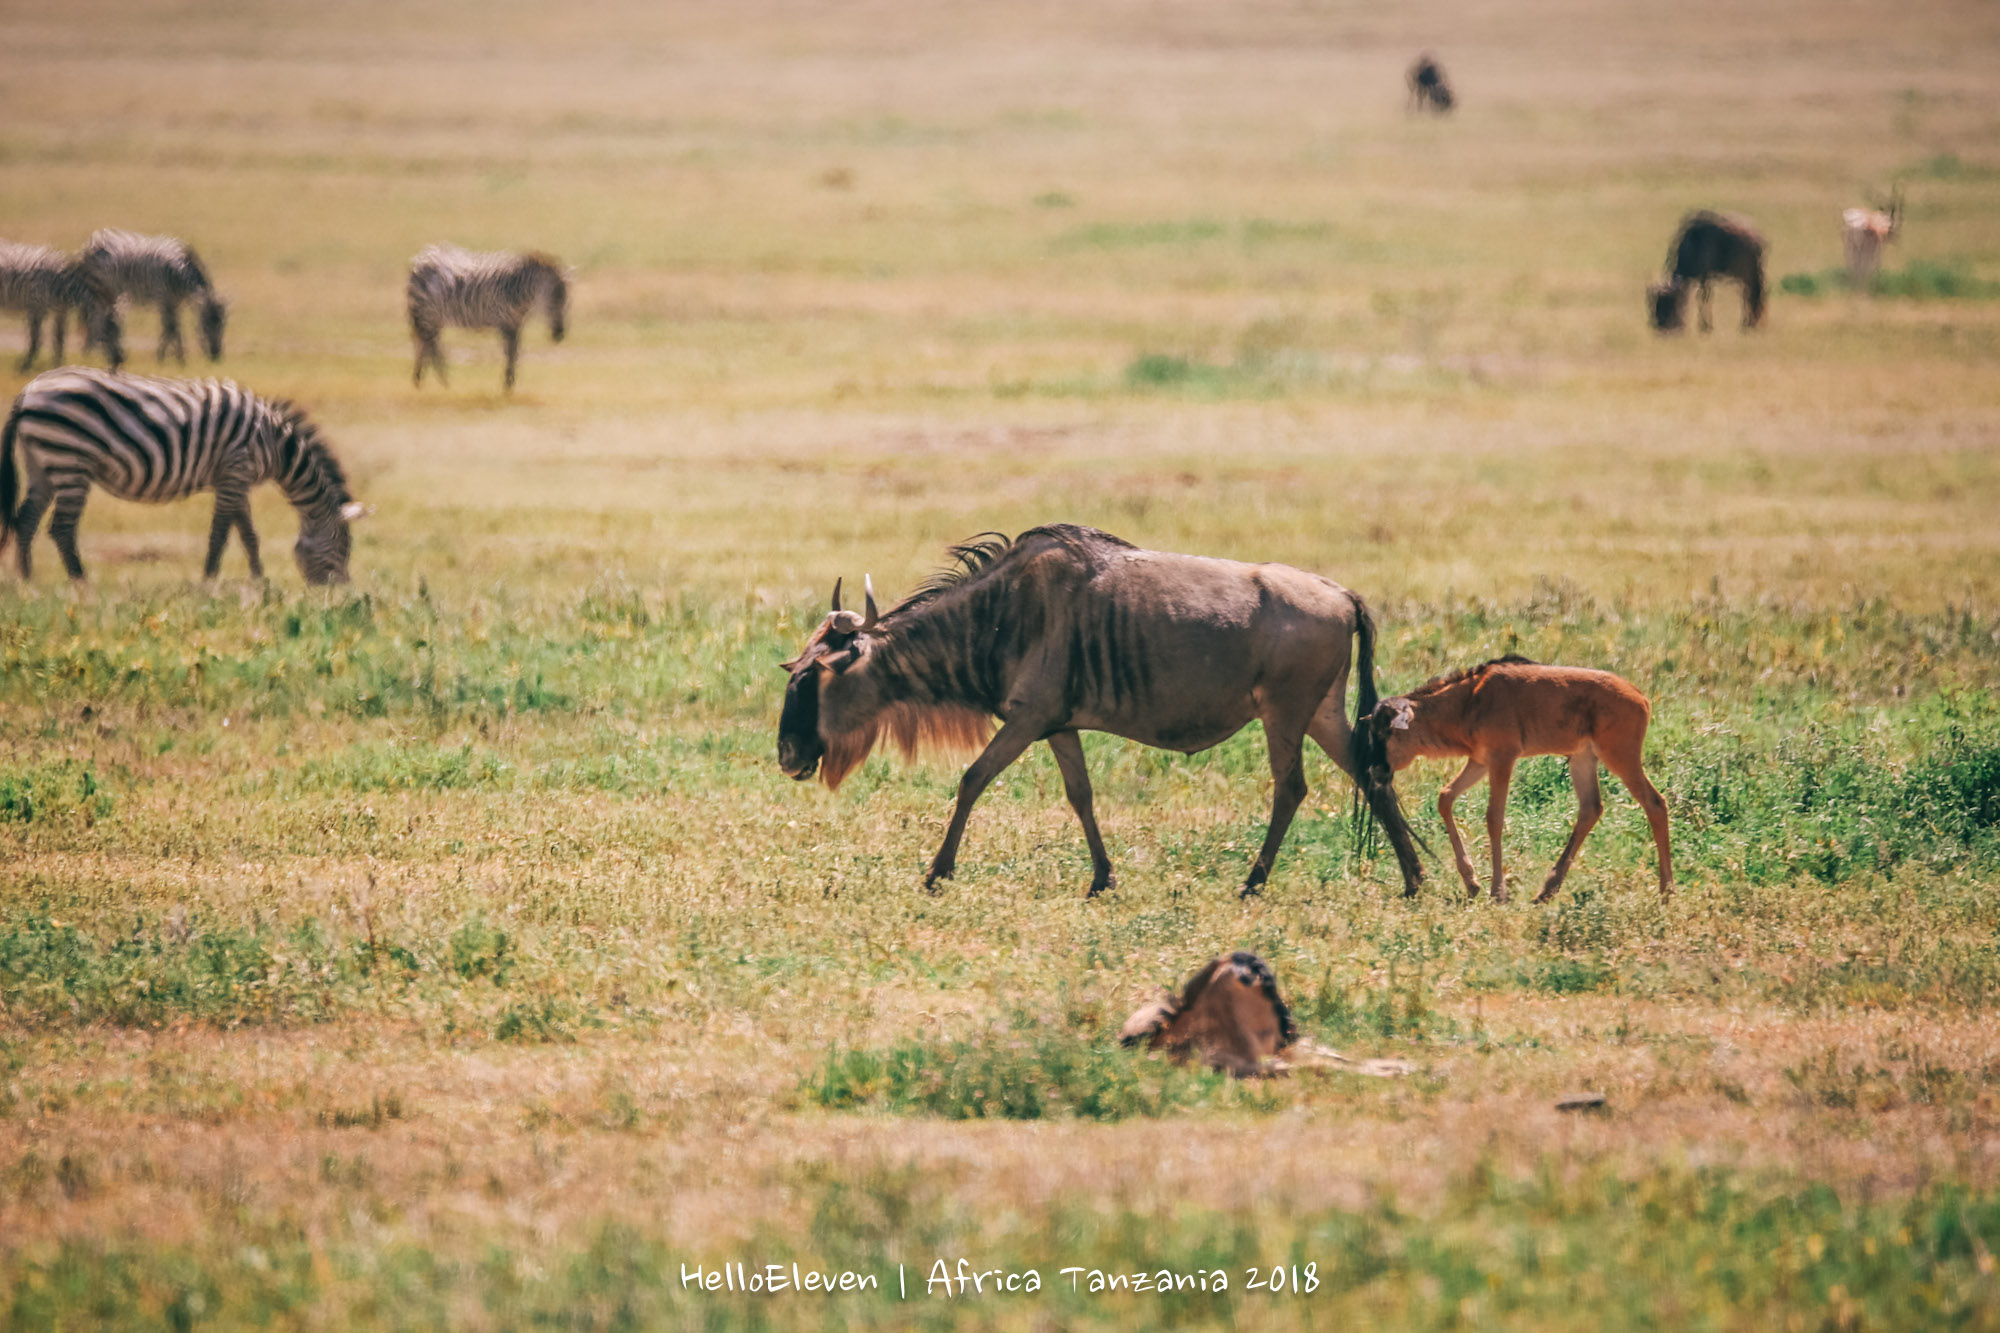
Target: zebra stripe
[
  {"x": 158, "y": 440},
  {"x": 469, "y": 289},
  {"x": 161, "y": 271},
  {"x": 38, "y": 281}
]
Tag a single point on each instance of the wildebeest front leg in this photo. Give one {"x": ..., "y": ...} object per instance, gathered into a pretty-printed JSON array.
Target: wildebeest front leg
[
  {"x": 1067, "y": 747},
  {"x": 1707, "y": 323},
  {"x": 1467, "y": 779},
  {"x": 1589, "y": 807},
  {"x": 1006, "y": 746}
]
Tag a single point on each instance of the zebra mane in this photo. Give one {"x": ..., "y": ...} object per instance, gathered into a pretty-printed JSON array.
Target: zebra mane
[
  {"x": 302, "y": 434},
  {"x": 195, "y": 271}
]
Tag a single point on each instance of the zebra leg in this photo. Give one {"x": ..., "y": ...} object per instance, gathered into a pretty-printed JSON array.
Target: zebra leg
[
  {"x": 62, "y": 526},
  {"x": 510, "y": 342},
  {"x": 34, "y": 340},
  {"x": 227, "y": 507},
  {"x": 249, "y": 535},
  {"x": 26, "y": 520},
  {"x": 62, "y": 333},
  {"x": 170, "y": 331}
]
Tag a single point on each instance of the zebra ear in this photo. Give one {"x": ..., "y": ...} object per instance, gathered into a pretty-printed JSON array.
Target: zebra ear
[{"x": 354, "y": 509}]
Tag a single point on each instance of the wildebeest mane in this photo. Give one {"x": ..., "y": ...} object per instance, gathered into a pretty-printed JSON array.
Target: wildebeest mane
[{"x": 969, "y": 560}]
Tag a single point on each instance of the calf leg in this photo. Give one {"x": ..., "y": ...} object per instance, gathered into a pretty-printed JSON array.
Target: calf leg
[
  {"x": 1467, "y": 779},
  {"x": 1624, "y": 763},
  {"x": 1006, "y": 746},
  {"x": 1499, "y": 773},
  {"x": 1589, "y": 806},
  {"x": 1067, "y": 747},
  {"x": 62, "y": 526}
]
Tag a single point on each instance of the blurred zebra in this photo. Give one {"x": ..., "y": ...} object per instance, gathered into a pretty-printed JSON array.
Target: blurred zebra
[
  {"x": 161, "y": 271},
  {"x": 493, "y": 289},
  {"x": 38, "y": 281},
  {"x": 156, "y": 439}
]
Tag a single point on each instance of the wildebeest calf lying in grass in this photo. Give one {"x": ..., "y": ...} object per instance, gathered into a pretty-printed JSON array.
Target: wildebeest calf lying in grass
[
  {"x": 1229, "y": 1013},
  {"x": 1507, "y": 709}
]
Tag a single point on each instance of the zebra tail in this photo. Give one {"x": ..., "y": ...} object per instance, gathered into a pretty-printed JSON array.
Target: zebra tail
[{"x": 9, "y": 479}]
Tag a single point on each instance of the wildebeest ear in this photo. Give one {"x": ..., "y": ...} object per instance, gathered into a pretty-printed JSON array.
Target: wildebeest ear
[{"x": 846, "y": 659}]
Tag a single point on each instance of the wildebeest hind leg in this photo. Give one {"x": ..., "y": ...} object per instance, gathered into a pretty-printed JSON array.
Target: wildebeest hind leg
[
  {"x": 1288, "y": 789},
  {"x": 1067, "y": 747},
  {"x": 1006, "y": 746}
]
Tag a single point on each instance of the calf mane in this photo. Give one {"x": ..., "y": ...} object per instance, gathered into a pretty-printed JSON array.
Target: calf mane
[{"x": 1467, "y": 673}]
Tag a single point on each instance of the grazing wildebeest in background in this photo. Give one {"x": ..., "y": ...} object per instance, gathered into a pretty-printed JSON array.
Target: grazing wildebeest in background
[
  {"x": 471, "y": 289},
  {"x": 161, "y": 271},
  {"x": 1708, "y": 246},
  {"x": 1863, "y": 233},
  {"x": 1230, "y": 1013},
  {"x": 1428, "y": 86},
  {"x": 38, "y": 281},
  {"x": 1507, "y": 709},
  {"x": 155, "y": 439},
  {"x": 1068, "y": 629}
]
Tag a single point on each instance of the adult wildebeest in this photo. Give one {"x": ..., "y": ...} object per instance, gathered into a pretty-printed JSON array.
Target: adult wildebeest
[
  {"x": 1428, "y": 86},
  {"x": 1068, "y": 629},
  {"x": 1504, "y": 710},
  {"x": 1708, "y": 246},
  {"x": 1863, "y": 233}
]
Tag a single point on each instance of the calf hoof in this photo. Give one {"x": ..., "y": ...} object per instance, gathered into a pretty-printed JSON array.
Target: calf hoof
[{"x": 1548, "y": 892}]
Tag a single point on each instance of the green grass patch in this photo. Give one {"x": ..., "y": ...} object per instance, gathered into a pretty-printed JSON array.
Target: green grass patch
[{"x": 1920, "y": 280}]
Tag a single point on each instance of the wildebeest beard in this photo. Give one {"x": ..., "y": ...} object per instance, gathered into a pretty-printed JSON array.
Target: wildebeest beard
[{"x": 942, "y": 728}]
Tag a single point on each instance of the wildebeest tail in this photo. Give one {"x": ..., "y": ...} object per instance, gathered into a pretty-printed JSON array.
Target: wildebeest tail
[
  {"x": 1368, "y": 755},
  {"x": 10, "y": 484}
]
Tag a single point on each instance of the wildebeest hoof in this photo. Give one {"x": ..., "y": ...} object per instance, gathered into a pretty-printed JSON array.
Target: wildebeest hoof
[
  {"x": 1250, "y": 890},
  {"x": 1098, "y": 886},
  {"x": 931, "y": 879}
]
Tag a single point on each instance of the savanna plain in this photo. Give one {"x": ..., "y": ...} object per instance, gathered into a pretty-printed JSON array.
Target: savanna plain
[{"x": 446, "y": 949}]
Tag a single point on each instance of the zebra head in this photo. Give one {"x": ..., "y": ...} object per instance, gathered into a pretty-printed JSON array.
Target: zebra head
[
  {"x": 214, "y": 313},
  {"x": 324, "y": 544}
]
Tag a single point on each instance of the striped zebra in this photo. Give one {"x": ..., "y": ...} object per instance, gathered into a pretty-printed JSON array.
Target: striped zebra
[
  {"x": 38, "y": 281},
  {"x": 470, "y": 289},
  {"x": 156, "y": 439},
  {"x": 159, "y": 271}
]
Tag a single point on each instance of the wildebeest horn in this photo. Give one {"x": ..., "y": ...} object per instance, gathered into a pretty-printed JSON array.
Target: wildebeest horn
[
  {"x": 836, "y": 594},
  {"x": 868, "y": 590}
]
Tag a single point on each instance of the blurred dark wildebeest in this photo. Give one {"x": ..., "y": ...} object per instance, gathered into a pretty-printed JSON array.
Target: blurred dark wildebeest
[
  {"x": 1068, "y": 629},
  {"x": 1708, "y": 246},
  {"x": 1429, "y": 89}
]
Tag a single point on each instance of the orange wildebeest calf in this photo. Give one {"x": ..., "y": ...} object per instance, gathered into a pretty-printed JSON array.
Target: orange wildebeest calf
[{"x": 1508, "y": 709}]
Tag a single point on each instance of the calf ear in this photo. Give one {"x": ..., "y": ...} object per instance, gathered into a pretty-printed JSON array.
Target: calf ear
[{"x": 1400, "y": 713}]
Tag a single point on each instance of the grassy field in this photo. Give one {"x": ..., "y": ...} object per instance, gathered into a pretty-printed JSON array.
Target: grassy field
[{"x": 447, "y": 949}]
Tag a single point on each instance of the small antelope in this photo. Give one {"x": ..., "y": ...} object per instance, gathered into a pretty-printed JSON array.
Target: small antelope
[
  {"x": 1507, "y": 709},
  {"x": 1864, "y": 232}
]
